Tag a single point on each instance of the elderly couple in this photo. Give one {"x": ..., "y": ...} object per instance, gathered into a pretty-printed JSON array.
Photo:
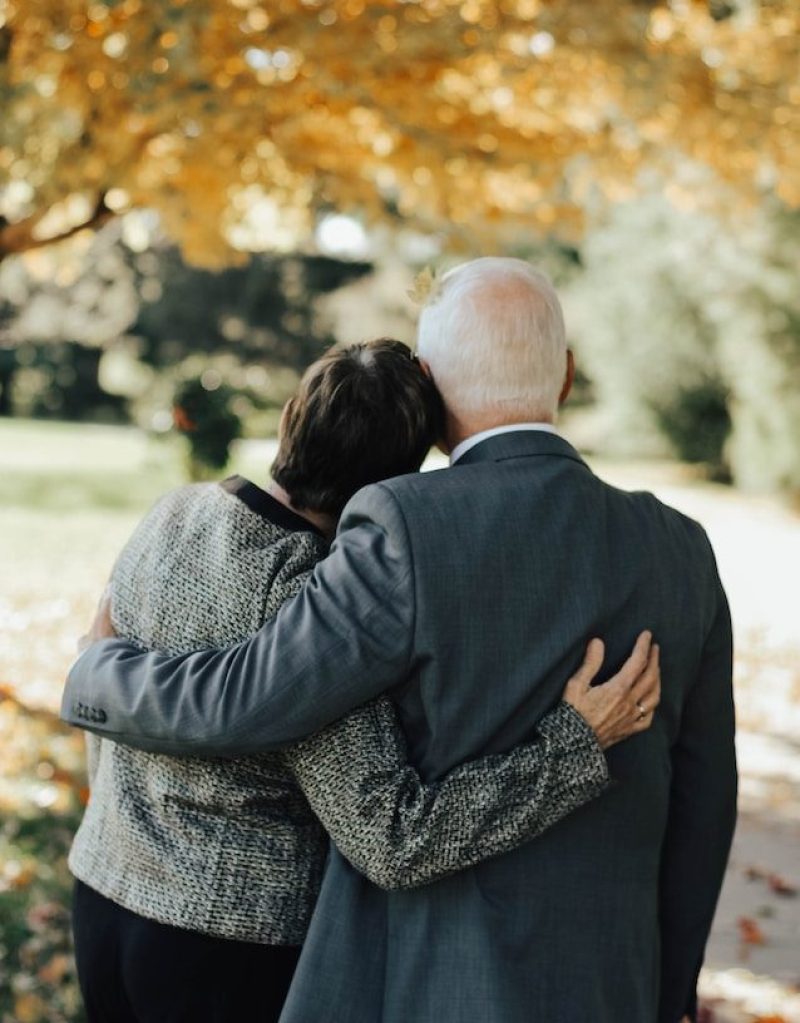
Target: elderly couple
[{"x": 412, "y": 664}]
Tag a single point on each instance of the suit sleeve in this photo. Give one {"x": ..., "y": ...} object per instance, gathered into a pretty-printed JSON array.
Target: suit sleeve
[
  {"x": 702, "y": 816},
  {"x": 401, "y": 832},
  {"x": 344, "y": 639}
]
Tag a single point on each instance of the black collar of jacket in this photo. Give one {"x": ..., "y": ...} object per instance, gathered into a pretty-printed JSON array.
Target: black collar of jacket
[
  {"x": 520, "y": 444},
  {"x": 265, "y": 505}
]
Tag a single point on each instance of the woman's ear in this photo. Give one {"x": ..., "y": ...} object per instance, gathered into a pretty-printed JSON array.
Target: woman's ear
[{"x": 426, "y": 368}]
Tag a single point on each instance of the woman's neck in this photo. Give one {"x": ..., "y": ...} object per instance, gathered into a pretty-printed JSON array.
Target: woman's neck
[{"x": 324, "y": 522}]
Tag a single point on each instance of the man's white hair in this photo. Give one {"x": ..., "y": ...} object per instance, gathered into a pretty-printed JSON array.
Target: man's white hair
[{"x": 493, "y": 335}]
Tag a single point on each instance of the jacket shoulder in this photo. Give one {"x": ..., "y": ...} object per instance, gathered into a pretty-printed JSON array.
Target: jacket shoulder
[
  {"x": 399, "y": 492},
  {"x": 182, "y": 498},
  {"x": 649, "y": 504}
]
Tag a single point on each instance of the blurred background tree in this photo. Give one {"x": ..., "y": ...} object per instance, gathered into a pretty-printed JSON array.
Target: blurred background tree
[
  {"x": 198, "y": 196},
  {"x": 100, "y": 331},
  {"x": 239, "y": 121},
  {"x": 689, "y": 329},
  {"x": 650, "y": 150},
  {"x": 206, "y": 418}
]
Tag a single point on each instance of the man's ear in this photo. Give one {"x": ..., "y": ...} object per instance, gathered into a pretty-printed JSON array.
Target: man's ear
[
  {"x": 440, "y": 442},
  {"x": 569, "y": 378}
]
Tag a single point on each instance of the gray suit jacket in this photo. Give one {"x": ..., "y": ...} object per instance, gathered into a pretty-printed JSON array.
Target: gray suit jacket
[{"x": 458, "y": 588}]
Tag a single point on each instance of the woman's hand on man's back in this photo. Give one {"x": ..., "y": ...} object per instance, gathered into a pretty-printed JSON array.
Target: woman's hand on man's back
[{"x": 625, "y": 704}]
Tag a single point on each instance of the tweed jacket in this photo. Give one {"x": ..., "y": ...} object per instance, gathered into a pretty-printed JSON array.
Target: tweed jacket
[
  {"x": 233, "y": 847},
  {"x": 471, "y": 592}
]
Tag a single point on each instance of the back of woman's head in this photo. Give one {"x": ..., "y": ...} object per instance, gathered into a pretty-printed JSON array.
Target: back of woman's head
[{"x": 362, "y": 414}]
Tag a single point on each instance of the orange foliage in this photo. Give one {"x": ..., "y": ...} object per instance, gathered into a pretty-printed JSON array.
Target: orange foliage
[
  {"x": 750, "y": 932},
  {"x": 474, "y": 118}
]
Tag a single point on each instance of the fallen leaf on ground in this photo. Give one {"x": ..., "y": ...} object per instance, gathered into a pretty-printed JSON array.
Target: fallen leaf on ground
[
  {"x": 777, "y": 884},
  {"x": 781, "y": 886},
  {"x": 749, "y": 931},
  {"x": 29, "y": 1008},
  {"x": 54, "y": 971}
]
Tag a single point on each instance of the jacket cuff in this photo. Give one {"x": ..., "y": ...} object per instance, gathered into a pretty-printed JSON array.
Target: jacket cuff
[{"x": 570, "y": 733}]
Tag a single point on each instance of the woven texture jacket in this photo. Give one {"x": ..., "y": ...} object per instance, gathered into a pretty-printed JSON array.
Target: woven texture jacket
[{"x": 235, "y": 847}]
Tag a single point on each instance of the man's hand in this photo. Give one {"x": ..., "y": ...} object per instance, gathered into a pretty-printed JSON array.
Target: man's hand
[
  {"x": 101, "y": 627},
  {"x": 624, "y": 705}
]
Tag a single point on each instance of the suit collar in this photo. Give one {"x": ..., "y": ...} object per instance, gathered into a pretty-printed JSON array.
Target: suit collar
[
  {"x": 520, "y": 444},
  {"x": 470, "y": 442}
]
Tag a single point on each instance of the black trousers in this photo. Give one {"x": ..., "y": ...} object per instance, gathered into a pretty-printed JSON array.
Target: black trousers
[{"x": 134, "y": 970}]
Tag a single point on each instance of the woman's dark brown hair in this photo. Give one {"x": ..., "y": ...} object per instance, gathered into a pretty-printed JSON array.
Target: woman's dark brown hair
[{"x": 362, "y": 414}]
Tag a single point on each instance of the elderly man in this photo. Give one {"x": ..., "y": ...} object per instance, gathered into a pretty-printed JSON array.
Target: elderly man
[{"x": 458, "y": 588}]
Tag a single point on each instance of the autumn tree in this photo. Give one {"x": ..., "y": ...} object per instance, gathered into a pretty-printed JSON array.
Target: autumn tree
[{"x": 239, "y": 121}]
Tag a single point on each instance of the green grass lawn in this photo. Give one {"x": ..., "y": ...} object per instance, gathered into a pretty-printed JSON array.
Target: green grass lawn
[
  {"x": 70, "y": 495},
  {"x": 72, "y": 467}
]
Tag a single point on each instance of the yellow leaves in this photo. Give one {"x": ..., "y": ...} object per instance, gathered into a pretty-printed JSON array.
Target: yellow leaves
[
  {"x": 424, "y": 287},
  {"x": 662, "y": 25},
  {"x": 353, "y": 103},
  {"x": 29, "y": 1008},
  {"x": 55, "y": 969},
  {"x": 16, "y": 876},
  {"x": 39, "y": 971},
  {"x": 788, "y": 188}
]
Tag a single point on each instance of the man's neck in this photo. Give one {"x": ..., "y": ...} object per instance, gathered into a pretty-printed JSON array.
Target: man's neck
[
  {"x": 476, "y": 437},
  {"x": 324, "y": 522},
  {"x": 458, "y": 430}
]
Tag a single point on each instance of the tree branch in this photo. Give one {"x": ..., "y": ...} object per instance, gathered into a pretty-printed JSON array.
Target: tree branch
[{"x": 18, "y": 238}]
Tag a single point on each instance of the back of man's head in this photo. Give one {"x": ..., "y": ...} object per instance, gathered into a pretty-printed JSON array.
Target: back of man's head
[{"x": 493, "y": 335}]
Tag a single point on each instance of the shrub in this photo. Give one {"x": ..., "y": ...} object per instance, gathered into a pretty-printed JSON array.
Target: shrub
[
  {"x": 209, "y": 424},
  {"x": 690, "y": 331}
]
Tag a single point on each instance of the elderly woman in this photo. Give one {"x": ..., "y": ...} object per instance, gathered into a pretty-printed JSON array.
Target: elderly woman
[{"x": 196, "y": 878}]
